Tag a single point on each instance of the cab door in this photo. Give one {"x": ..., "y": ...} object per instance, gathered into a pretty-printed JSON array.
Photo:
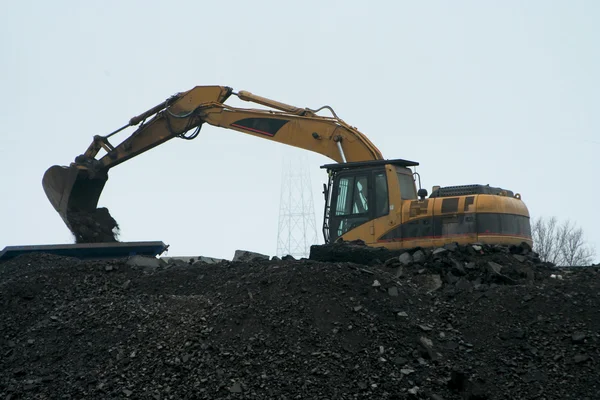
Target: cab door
[{"x": 352, "y": 206}]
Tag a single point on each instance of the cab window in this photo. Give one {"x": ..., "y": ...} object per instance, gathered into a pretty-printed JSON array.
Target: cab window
[
  {"x": 381, "y": 195},
  {"x": 352, "y": 196},
  {"x": 343, "y": 198},
  {"x": 351, "y": 204},
  {"x": 407, "y": 186},
  {"x": 361, "y": 205}
]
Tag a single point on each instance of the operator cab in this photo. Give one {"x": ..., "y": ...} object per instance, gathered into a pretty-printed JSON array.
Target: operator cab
[{"x": 359, "y": 192}]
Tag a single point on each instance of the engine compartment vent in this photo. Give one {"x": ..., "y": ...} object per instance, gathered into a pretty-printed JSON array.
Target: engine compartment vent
[{"x": 465, "y": 190}]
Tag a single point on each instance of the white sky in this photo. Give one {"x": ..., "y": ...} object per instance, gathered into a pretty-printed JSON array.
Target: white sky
[{"x": 498, "y": 92}]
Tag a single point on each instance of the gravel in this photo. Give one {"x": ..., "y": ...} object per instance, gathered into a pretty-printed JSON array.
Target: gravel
[{"x": 463, "y": 323}]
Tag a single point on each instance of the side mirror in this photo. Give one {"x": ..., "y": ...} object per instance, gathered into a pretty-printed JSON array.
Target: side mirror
[{"x": 422, "y": 193}]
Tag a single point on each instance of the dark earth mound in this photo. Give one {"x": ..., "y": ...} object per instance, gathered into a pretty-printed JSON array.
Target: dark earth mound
[
  {"x": 96, "y": 227},
  {"x": 485, "y": 323}
]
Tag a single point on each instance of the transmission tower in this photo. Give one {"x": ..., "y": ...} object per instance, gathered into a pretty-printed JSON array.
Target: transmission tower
[{"x": 297, "y": 228}]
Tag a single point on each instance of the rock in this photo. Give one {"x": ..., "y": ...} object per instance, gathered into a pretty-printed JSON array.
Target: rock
[
  {"x": 438, "y": 251},
  {"x": 520, "y": 258},
  {"x": 471, "y": 265},
  {"x": 208, "y": 260},
  {"x": 481, "y": 287},
  {"x": 425, "y": 328},
  {"x": 452, "y": 247},
  {"x": 399, "y": 360},
  {"x": 235, "y": 388},
  {"x": 191, "y": 260},
  {"x": 581, "y": 358},
  {"x": 418, "y": 256},
  {"x": 476, "y": 247},
  {"x": 393, "y": 291},
  {"x": 427, "y": 346},
  {"x": 402, "y": 314},
  {"x": 429, "y": 283},
  {"x": 578, "y": 337},
  {"x": 426, "y": 342},
  {"x": 47, "y": 378},
  {"x": 405, "y": 259},
  {"x": 288, "y": 258},
  {"x": 399, "y": 273},
  {"x": 247, "y": 256},
  {"x": 406, "y": 371},
  {"x": 458, "y": 268},
  {"x": 391, "y": 262},
  {"x": 463, "y": 285},
  {"x": 494, "y": 267},
  {"x": 494, "y": 273},
  {"x": 376, "y": 283},
  {"x": 146, "y": 262},
  {"x": 451, "y": 278},
  {"x": 127, "y": 392},
  {"x": 176, "y": 262},
  {"x": 414, "y": 390}
]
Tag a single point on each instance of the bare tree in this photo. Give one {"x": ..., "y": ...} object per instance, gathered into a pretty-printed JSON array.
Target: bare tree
[{"x": 561, "y": 244}]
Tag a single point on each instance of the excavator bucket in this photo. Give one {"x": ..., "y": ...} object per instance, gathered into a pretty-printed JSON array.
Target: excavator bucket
[{"x": 72, "y": 190}]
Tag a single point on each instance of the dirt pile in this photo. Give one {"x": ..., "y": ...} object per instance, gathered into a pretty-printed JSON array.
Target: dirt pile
[
  {"x": 93, "y": 227},
  {"x": 485, "y": 323}
]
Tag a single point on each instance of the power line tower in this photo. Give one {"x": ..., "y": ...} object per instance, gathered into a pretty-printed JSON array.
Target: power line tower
[{"x": 297, "y": 228}]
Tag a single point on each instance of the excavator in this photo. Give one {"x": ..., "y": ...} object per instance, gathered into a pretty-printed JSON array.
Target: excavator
[{"x": 367, "y": 198}]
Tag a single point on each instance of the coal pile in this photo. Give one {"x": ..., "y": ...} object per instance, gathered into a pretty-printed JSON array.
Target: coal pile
[
  {"x": 461, "y": 322},
  {"x": 93, "y": 227}
]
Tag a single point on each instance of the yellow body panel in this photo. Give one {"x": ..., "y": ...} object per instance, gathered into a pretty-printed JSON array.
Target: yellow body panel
[{"x": 459, "y": 225}]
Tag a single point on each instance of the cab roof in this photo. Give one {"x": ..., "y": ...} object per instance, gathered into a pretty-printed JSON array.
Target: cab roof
[{"x": 370, "y": 163}]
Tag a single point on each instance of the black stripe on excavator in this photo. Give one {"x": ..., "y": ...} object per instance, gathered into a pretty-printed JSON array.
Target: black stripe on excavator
[
  {"x": 263, "y": 126},
  {"x": 461, "y": 224}
]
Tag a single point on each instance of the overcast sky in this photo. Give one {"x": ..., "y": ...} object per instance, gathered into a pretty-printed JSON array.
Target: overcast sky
[{"x": 505, "y": 93}]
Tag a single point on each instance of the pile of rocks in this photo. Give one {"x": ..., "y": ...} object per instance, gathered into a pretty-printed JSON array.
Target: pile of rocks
[
  {"x": 472, "y": 267},
  {"x": 476, "y": 322}
]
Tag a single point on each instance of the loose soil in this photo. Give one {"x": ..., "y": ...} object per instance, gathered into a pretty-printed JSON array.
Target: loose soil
[
  {"x": 474, "y": 322},
  {"x": 96, "y": 227}
]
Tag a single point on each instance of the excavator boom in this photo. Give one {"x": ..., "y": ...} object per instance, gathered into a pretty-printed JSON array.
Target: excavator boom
[{"x": 74, "y": 191}]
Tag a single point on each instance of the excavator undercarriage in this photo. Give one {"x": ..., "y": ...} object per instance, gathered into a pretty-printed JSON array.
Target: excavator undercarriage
[{"x": 367, "y": 198}]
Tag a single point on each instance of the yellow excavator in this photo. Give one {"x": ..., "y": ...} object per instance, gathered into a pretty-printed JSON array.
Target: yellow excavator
[{"x": 367, "y": 198}]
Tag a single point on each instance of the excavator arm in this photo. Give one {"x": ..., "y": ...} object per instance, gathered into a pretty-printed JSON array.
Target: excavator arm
[{"x": 76, "y": 189}]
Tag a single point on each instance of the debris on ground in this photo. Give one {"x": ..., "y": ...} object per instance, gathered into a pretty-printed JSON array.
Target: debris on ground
[{"x": 469, "y": 322}]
